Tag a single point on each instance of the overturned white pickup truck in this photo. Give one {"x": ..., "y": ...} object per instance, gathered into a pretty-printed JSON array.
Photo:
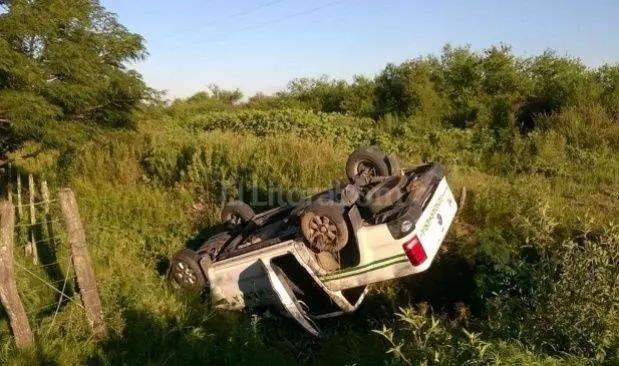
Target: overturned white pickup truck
[{"x": 316, "y": 259}]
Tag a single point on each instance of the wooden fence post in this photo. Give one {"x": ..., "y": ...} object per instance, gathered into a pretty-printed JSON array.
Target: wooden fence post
[
  {"x": 45, "y": 194},
  {"x": 8, "y": 288},
  {"x": 82, "y": 262},
  {"x": 33, "y": 220},
  {"x": 20, "y": 210}
]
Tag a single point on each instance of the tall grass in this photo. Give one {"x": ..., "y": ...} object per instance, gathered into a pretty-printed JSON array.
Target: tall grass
[{"x": 526, "y": 274}]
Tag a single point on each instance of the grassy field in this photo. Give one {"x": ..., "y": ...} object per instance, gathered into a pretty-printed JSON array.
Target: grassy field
[
  {"x": 513, "y": 285},
  {"x": 529, "y": 272}
]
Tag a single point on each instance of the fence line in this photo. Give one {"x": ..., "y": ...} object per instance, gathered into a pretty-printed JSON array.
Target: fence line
[
  {"x": 64, "y": 286},
  {"x": 46, "y": 283},
  {"x": 37, "y": 290},
  {"x": 39, "y": 203},
  {"x": 35, "y": 311},
  {"x": 38, "y": 224},
  {"x": 50, "y": 264},
  {"x": 20, "y": 209}
]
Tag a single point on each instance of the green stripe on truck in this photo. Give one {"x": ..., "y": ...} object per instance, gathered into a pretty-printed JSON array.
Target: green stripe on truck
[{"x": 385, "y": 262}]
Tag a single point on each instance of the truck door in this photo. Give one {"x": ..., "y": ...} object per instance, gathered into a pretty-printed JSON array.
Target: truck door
[{"x": 288, "y": 299}]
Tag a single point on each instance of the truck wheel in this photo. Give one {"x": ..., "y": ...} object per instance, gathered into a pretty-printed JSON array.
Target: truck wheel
[
  {"x": 324, "y": 227},
  {"x": 368, "y": 162},
  {"x": 385, "y": 193},
  {"x": 236, "y": 213},
  {"x": 185, "y": 271}
]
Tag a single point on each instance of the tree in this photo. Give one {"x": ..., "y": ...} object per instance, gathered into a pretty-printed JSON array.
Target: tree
[
  {"x": 360, "y": 98},
  {"x": 228, "y": 97},
  {"x": 556, "y": 83},
  {"x": 608, "y": 77},
  {"x": 408, "y": 89},
  {"x": 501, "y": 75},
  {"x": 462, "y": 83},
  {"x": 68, "y": 59}
]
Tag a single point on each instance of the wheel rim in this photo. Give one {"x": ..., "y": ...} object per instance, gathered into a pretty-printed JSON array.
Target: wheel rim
[
  {"x": 366, "y": 168},
  {"x": 323, "y": 233},
  {"x": 184, "y": 275}
]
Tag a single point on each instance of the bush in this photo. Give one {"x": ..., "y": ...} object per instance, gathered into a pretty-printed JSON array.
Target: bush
[
  {"x": 427, "y": 340},
  {"x": 576, "y": 304},
  {"x": 562, "y": 299},
  {"x": 350, "y": 131},
  {"x": 588, "y": 126},
  {"x": 558, "y": 295}
]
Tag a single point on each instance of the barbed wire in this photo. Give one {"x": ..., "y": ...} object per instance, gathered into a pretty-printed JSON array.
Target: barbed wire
[
  {"x": 42, "y": 221},
  {"x": 50, "y": 264},
  {"x": 59, "y": 300},
  {"x": 46, "y": 283},
  {"x": 39, "y": 223},
  {"x": 39, "y": 290},
  {"x": 36, "y": 310},
  {"x": 36, "y": 203},
  {"x": 36, "y": 289}
]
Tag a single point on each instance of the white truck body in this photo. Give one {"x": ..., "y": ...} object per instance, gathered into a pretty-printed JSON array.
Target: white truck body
[{"x": 252, "y": 278}]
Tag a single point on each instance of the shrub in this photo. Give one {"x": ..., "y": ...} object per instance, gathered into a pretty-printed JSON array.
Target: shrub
[
  {"x": 424, "y": 339},
  {"x": 575, "y": 308},
  {"x": 350, "y": 131},
  {"x": 587, "y": 126},
  {"x": 558, "y": 295}
]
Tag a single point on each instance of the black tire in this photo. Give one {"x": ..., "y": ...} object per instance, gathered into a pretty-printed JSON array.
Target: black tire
[
  {"x": 236, "y": 213},
  {"x": 185, "y": 272},
  {"x": 213, "y": 245},
  {"x": 385, "y": 194},
  {"x": 324, "y": 227},
  {"x": 367, "y": 161}
]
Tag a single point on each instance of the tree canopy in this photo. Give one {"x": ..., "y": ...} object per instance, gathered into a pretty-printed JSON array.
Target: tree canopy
[{"x": 64, "y": 59}]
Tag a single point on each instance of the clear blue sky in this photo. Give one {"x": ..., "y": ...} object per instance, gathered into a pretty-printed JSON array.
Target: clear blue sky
[{"x": 259, "y": 45}]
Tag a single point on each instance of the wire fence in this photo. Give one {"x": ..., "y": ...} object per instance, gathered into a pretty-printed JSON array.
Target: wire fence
[{"x": 46, "y": 237}]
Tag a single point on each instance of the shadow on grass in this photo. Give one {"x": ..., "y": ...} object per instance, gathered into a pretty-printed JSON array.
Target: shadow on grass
[
  {"x": 216, "y": 338},
  {"x": 446, "y": 285},
  {"x": 238, "y": 339}
]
